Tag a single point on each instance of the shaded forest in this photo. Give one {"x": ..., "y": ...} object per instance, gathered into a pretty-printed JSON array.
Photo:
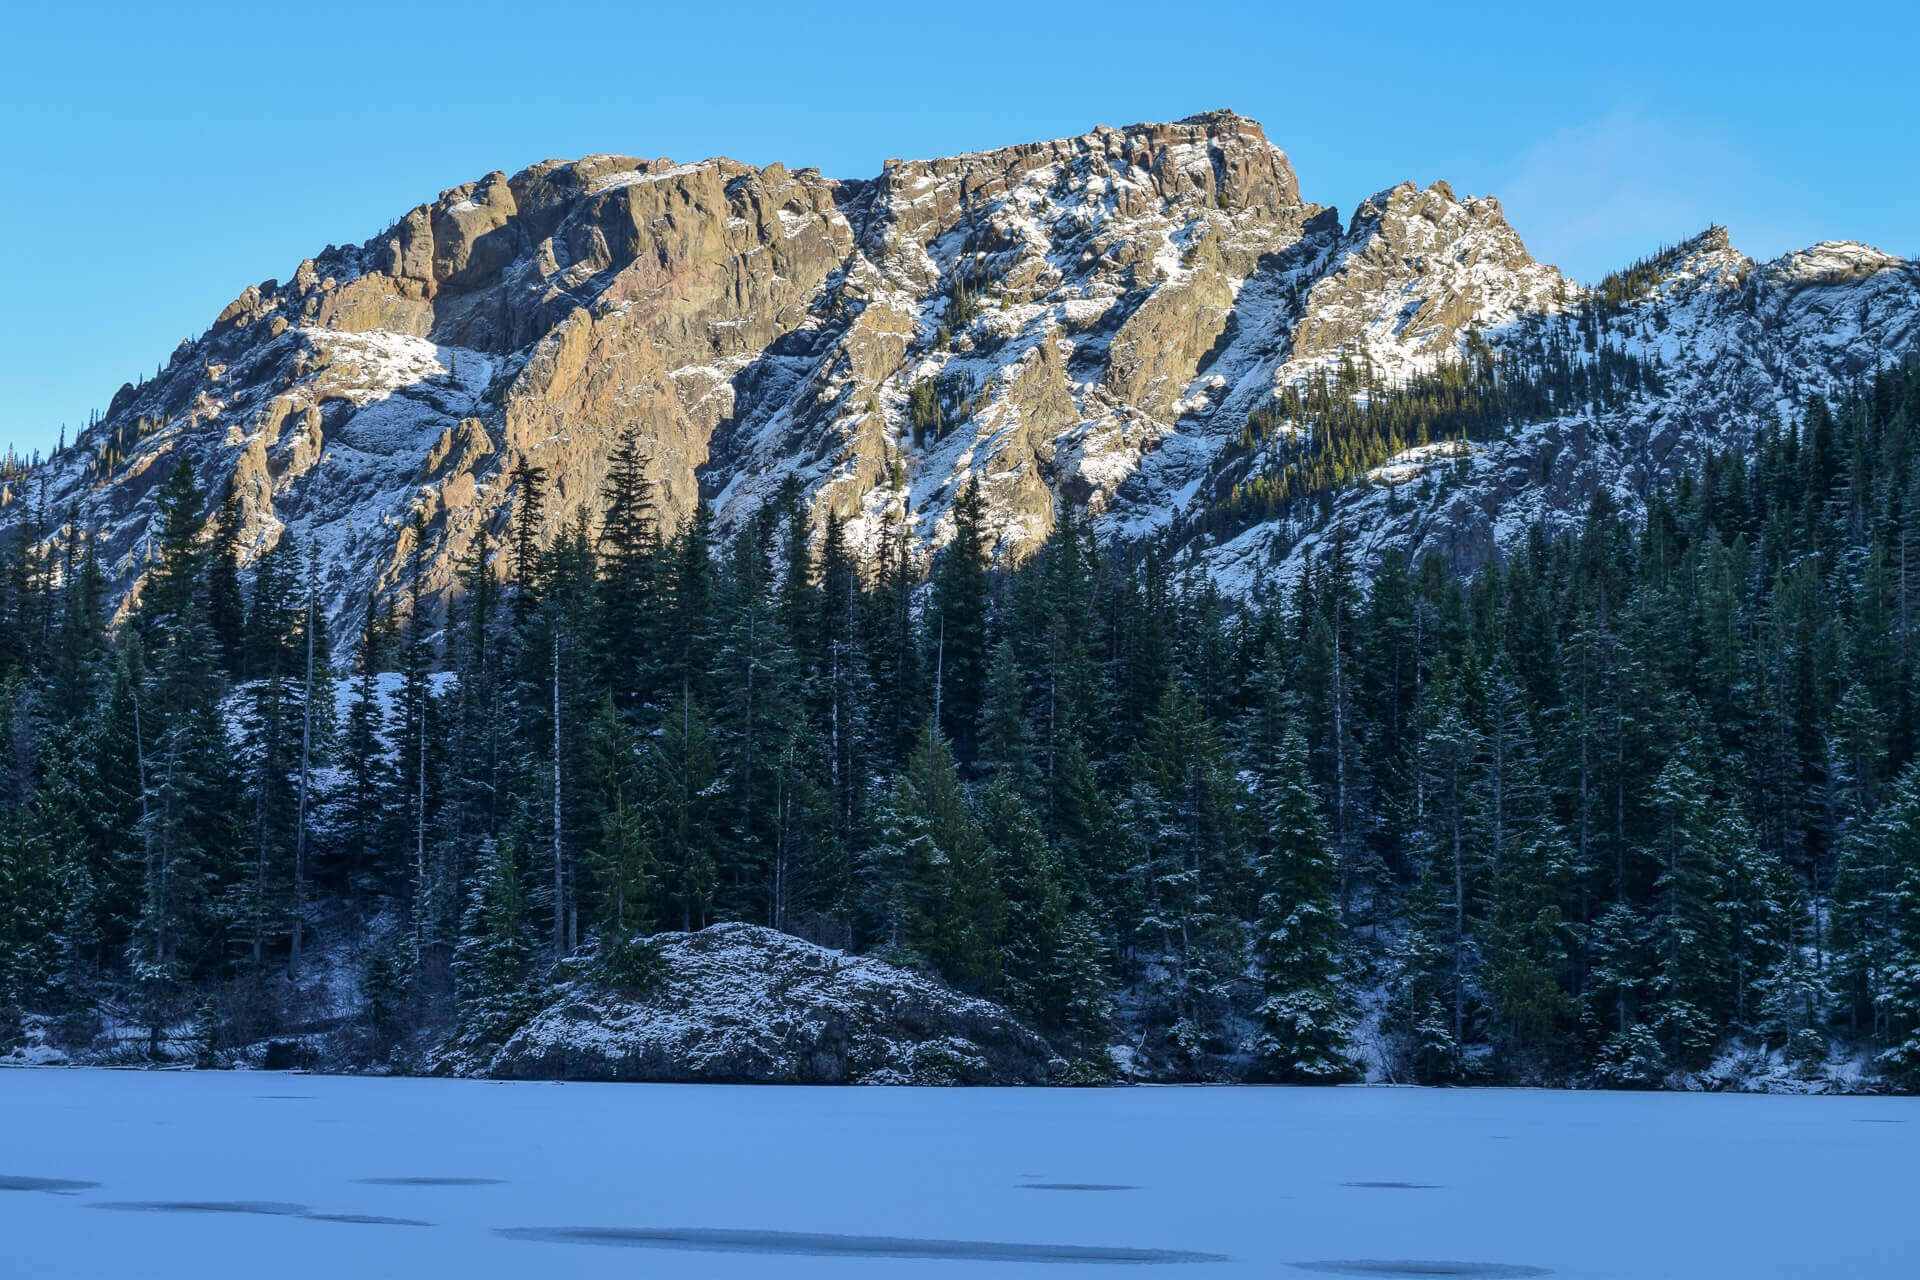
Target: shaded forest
[{"x": 1618, "y": 800}]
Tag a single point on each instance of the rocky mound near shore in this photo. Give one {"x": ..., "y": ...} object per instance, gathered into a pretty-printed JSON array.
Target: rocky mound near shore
[{"x": 736, "y": 1003}]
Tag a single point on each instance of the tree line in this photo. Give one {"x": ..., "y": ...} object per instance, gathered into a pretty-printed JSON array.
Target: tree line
[
  {"x": 1619, "y": 798},
  {"x": 1328, "y": 432}
]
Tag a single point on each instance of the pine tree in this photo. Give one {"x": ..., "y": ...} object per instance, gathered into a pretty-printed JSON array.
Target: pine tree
[
  {"x": 190, "y": 813},
  {"x": 365, "y": 861},
  {"x": 1303, "y": 1014},
  {"x": 1881, "y": 955},
  {"x": 625, "y": 871},
  {"x": 272, "y": 742},
  {"x": 1523, "y": 939},
  {"x": 492, "y": 962},
  {"x": 482, "y": 728},
  {"x": 1006, "y": 741},
  {"x": 1688, "y": 926},
  {"x": 1053, "y": 962},
  {"x": 1445, "y": 837},
  {"x": 757, "y": 669},
  {"x": 416, "y": 734},
  {"x": 1187, "y": 844},
  {"x": 846, "y": 684},
  {"x": 957, "y": 623},
  {"x": 1625, "y": 795},
  {"x": 683, "y": 775},
  {"x": 78, "y": 658},
  {"x": 627, "y": 622},
  {"x": 689, "y": 621},
  {"x": 226, "y": 606},
  {"x": 527, "y": 526},
  {"x": 1794, "y": 996},
  {"x": 893, "y": 656},
  {"x": 931, "y": 882}
]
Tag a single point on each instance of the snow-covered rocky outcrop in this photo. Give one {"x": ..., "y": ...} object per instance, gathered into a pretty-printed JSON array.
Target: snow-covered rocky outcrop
[
  {"x": 740, "y": 1004},
  {"x": 1737, "y": 343},
  {"x": 1094, "y": 316}
]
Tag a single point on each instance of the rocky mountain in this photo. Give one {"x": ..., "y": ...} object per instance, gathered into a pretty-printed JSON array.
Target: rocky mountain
[{"x": 1091, "y": 319}]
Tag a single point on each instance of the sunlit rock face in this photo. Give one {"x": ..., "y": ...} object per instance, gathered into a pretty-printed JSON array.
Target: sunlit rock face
[{"x": 1088, "y": 320}]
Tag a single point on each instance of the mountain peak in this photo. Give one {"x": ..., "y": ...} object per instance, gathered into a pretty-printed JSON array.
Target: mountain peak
[
  {"x": 1089, "y": 320},
  {"x": 1218, "y": 115}
]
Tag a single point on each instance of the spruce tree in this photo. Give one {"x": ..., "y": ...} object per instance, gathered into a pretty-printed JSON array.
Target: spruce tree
[
  {"x": 1304, "y": 1017},
  {"x": 492, "y": 962},
  {"x": 1187, "y": 846},
  {"x": 226, "y": 605},
  {"x": 627, "y": 620},
  {"x": 1053, "y": 961},
  {"x": 683, "y": 772},
  {"x": 956, "y": 627},
  {"x": 1688, "y": 928}
]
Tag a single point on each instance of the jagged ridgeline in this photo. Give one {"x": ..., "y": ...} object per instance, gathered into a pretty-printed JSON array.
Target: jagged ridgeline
[
  {"x": 1642, "y": 279},
  {"x": 1149, "y": 324}
]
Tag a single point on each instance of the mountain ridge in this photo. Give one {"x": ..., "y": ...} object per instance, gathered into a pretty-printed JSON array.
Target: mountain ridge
[{"x": 1089, "y": 319}]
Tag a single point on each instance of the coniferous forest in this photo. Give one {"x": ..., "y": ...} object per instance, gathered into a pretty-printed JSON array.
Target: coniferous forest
[{"x": 1621, "y": 799}]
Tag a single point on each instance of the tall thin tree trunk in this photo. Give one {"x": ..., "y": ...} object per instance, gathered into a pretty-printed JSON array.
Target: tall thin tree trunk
[
  {"x": 1459, "y": 928},
  {"x": 939, "y": 672},
  {"x": 300, "y": 835},
  {"x": 269, "y": 752},
  {"x": 156, "y": 875},
  {"x": 777, "y": 916},
  {"x": 559, "y": 855},
  {"x": 686, "y": 803},
  {"x": 420, "y": 829},
  {"x": 1340, "y": 772}
]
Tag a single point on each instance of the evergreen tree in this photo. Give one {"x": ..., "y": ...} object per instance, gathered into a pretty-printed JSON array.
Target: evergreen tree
[
  {"x": 957, "y": 623},
  {"x": 1304, "y": 1020},
  {"x": 1688, "y": 926},
  {"x": 1628, "y": 794},
  {"x": 365, "y": 859},
  {"x": 1187, "y": 844},
  {"x": 492, "y": 962},
  {"x": 1053, "y": 962},
  {"x": 683, "y": 777},
  {"x": 226, "y": 606},
  {"x": 627, "y": 623},
  {"x": 930, "y": 881}
]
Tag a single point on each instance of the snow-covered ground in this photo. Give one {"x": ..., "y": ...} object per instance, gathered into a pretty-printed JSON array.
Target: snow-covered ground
[{"x": 109, "y": 1174}]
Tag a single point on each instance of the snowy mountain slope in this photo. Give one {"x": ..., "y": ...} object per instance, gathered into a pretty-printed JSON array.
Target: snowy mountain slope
[
  {"x": 1089, "y": 319},
  {"x": 1738, "y": 343}
]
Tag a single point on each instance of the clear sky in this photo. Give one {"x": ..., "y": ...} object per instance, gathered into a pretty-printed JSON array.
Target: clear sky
[{"x": 159, "y": 158}]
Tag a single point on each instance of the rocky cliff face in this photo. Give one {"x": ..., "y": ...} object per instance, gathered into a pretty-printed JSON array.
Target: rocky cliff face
[{"x": 1094, "y": 316}]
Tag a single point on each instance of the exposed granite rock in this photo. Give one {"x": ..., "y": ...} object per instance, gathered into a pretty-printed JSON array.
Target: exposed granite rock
[
  {"x": 746, "y": 1005},
  {"x": 1135, "y": 294}
]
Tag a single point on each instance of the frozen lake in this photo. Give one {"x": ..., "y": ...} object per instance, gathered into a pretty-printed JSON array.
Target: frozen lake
[{"x": 161, "y": 1175}]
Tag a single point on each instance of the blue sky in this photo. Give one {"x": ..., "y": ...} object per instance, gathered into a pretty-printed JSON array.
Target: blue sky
[{"x": 161, "y": 158}]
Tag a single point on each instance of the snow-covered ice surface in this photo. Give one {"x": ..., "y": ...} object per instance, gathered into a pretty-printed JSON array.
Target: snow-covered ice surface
[{"x": 307, "y": 1176}]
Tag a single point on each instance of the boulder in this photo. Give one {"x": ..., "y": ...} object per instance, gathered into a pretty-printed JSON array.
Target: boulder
[{"x": 741, "y": 1004}]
